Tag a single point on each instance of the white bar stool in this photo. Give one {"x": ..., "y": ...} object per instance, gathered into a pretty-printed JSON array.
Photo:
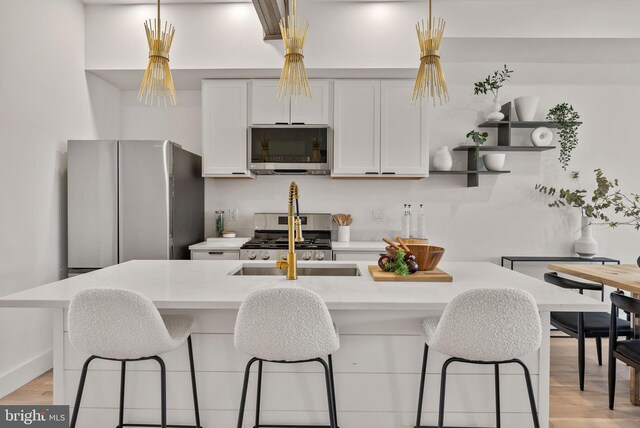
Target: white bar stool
[
  {"x": 484, "y": 326},
  {"x": 121, "y": 325},
  {"x": 286, "y": 325}
]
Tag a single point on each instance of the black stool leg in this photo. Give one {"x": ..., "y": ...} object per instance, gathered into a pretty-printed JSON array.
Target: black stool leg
[
  {"x": 333, "y": 389},
  {"x": 163, "y": 392},
  {"x": 599, "y": 349},
  {"x": 497, "y": 380},
  {"x": 327, "y": 377},
  {"x": 258, "y": 394},
  {"x": 123, "y": 372},
  {"x": 192, "y": 367},
  {"x": 532, "y": 399},
  {"x": 83, "y": 378},
  {"x": 581, "y": 345},
  {"x": 423, "y": 375},
  {"x": 245, "y": 384},
  {"x": 443, "y": 387}
]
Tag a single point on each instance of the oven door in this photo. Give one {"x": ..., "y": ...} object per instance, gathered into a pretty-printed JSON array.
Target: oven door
[{"x": 290, "y": 149}]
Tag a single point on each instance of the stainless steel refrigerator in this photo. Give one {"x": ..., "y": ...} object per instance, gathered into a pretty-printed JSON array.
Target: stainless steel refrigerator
[{"x": 132, "y": 200}]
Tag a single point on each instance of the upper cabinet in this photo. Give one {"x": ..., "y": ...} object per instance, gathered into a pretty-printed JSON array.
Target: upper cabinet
[
  {"x": 356, "y": 140},
  {"x": 403, "y": 130},
  {"x": 267, "y": 109},
  {"x": 224, "y": 128},
  {"x": 378, "y": 131}
]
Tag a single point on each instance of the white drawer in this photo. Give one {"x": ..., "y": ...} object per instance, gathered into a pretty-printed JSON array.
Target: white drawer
[
  {"x": 215, "y": 255},
  {"x": 357, "y": 256}
]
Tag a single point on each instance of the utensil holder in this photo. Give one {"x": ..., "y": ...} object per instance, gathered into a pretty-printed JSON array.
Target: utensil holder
[{"x": 344, "y": 233}]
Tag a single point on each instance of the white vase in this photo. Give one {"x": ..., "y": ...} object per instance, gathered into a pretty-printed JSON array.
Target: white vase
[
  {"x": 494, "y": 161},
  {"x": 526, "y": 108},
  {"x": 442, "y": 161},
  {"x": 495, "y": 113},
  {"x": 541, "y": 136},
  {"x": 586, "y": 246},
  {"x": 344, "y": 233}
]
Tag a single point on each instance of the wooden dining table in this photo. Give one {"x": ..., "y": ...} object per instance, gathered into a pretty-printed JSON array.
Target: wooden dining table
[{"x": 622, "y": 277}]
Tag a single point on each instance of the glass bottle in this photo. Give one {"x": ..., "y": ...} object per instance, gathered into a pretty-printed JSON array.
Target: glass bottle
[{"x": 219, "y": 223}]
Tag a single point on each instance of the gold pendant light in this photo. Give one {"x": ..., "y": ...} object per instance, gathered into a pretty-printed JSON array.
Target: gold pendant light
[
  {"x": 430, "y": 80},
  {"x": 157, "y": 82},
  {"x": 293, "y": 80}
]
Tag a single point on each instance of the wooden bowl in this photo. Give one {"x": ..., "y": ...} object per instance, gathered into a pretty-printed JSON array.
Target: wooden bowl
[
  {"x": 427, "y": 256},
  {"x": 415, "y": 241}
]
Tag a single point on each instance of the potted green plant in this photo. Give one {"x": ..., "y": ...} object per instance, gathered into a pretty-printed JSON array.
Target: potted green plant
[
  {"x": 606, "y": 201},
  {"x": 478, "y": 138},
  {"x": 492, "y": 83},
  {"x": 567, "y": 118}
]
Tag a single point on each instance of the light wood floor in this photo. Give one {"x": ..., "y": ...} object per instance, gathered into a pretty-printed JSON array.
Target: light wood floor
[{"x": 570, "y": 408}]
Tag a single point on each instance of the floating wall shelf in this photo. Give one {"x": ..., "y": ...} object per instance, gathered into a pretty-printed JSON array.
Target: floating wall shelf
[{"x": 504, "y": 128}]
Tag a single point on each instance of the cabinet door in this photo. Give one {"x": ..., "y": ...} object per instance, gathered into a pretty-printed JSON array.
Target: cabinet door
[
  {"x": 404, "y": 147},
  {"x": 314, "y": 111},
  {"x": 266, "y": 108},
  {"x": 356, "y": 144},
  {"x": 224, "y": 128}
]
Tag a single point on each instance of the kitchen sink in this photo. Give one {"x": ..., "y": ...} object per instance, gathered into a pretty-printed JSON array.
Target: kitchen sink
[{"x": 329, "y": 270}]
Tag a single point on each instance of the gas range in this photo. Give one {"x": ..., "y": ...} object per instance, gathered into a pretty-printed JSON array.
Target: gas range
[{"x": 270, "y": 240}]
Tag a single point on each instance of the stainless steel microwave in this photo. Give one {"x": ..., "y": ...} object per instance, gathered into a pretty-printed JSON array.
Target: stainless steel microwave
[{"x": 290, "y": 149}]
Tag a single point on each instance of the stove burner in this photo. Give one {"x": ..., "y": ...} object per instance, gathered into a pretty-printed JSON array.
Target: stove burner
[{"x": 282, "y": 243}]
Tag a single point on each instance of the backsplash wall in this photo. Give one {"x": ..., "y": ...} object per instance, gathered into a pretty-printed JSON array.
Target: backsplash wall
[{"x": 504, "y": 215}]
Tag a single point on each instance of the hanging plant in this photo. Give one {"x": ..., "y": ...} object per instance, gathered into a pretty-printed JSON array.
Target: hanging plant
[{"x": 567, "y": 118}]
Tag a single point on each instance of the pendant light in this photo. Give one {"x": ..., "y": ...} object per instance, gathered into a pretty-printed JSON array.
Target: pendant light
[
  {"x": 430, "y": 81},
  {"x": 157, "y": 82},
  {"x": 293, "y": 79}
]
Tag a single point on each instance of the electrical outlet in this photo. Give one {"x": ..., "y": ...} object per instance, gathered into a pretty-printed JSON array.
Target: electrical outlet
[
  {"x": 377, "y": 216},
  {"x": 233, "y": 214}
]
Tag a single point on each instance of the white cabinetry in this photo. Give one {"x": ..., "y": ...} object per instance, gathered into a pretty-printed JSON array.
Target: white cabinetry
[
  {"x": 356, "y": 141},
  {"x": 267, "y": 109},
  {"x": 378, "y": 131},
  {"x": 224, "y": 128},
  {"x": 215, "y": 255},
  {"x": 403, "y": 131}
]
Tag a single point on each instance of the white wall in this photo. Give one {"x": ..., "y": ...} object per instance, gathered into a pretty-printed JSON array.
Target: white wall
[{"x": 45, "y": 99}]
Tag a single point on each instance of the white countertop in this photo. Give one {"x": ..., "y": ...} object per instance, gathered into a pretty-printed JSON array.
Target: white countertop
[
  {"x": 219, "y": 244},
  {"x": 356, "y": 246},
  {"x": 206, "y": 284}
]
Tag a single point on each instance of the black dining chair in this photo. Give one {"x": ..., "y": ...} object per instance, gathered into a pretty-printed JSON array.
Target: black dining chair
[
  {"x": 583, "y": 325},
  {"x": 627, "y": 351}
]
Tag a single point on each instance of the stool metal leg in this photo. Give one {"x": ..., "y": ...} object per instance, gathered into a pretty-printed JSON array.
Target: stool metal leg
[
  {"x": 331, "y": 404},
  {"x": 83, "y": 378},
  {"x": 599, "y": 349},
  {"x": 196, "y": 407},
  {"x": 258, "y": 394},
  {"x": 497, "y": 380},
  {"x": 163, "y": 392},
  {"x": 333, "y": 388},
  {"x": 245, "y": 384},
  {"x": 123, "y": 372},
  {"x": 423, "y": 375},
  {"x": 532, "y": 399},
  {"x": 443, "y": 387}
]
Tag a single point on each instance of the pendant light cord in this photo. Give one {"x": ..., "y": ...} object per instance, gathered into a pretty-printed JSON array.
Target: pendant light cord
[
  {"x": 159, "y": 18},
  {"x": 430, "y": 18}
]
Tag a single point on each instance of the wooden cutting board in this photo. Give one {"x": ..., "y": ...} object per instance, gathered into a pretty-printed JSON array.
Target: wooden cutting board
[{"x": 436, "y": 275}]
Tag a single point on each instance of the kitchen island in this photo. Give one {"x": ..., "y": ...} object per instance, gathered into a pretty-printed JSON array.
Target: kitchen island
[{"x": 377, "y": 368}]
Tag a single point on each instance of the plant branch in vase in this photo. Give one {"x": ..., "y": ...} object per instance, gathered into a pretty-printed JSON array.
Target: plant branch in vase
[
  {"x": 492, "y": 83},
  {"x": 607, "y": 206},
  {"x": 478, "y": 138},
  {"x": 567, "y": 118}
]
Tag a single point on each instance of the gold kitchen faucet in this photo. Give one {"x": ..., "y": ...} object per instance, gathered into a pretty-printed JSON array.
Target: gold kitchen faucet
[{"x": 294, "y": 227}]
